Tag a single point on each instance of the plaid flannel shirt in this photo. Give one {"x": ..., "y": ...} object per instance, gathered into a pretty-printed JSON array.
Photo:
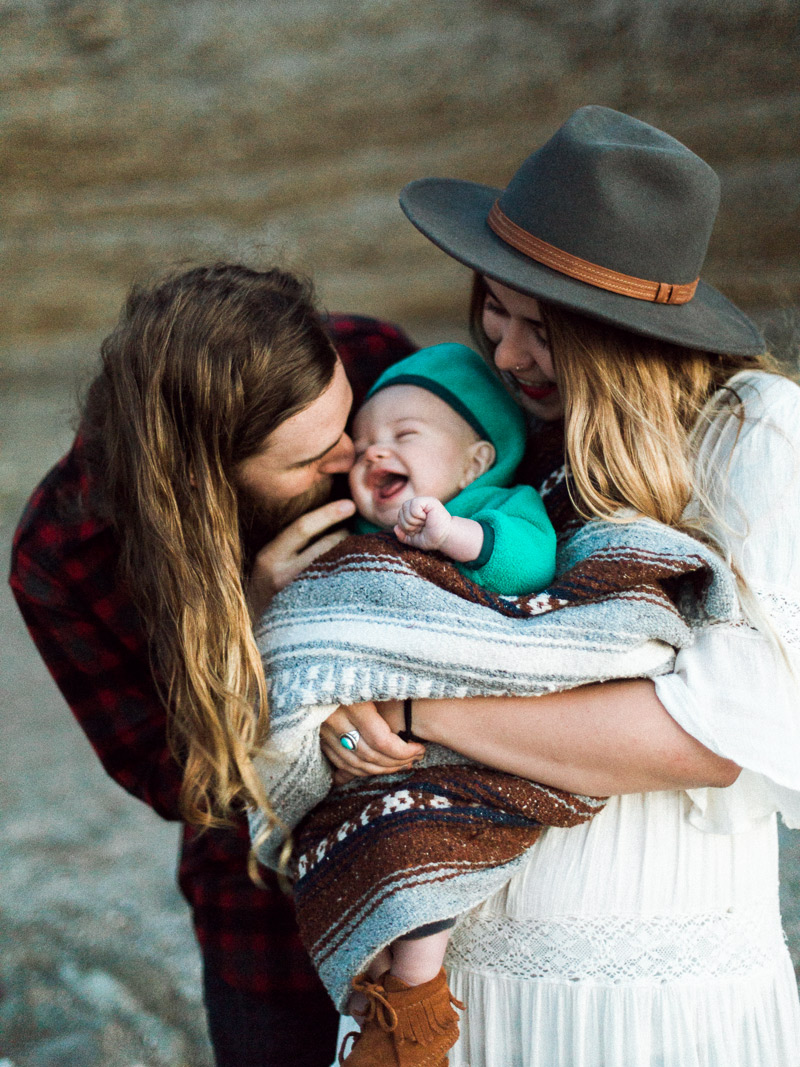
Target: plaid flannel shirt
[{"x": 63, "y": 575}]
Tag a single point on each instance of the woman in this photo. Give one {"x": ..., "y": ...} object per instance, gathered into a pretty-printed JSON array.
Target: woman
[{"x": 650, "y": 935}]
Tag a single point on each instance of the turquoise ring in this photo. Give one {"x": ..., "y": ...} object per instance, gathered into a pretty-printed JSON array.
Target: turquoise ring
[{"x": 350, "y": 740}]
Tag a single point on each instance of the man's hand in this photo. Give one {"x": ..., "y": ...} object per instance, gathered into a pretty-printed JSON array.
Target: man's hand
[
  {"x": 279, "y": 562},
  {"x": 379, "y": 750}
]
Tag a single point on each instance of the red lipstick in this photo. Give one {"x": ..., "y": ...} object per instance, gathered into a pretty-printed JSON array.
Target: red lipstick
[{"x": 537, "y": 392}]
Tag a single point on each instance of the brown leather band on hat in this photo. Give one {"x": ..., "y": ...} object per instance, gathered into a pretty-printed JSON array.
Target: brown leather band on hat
[{"x": 583, "y": 269}]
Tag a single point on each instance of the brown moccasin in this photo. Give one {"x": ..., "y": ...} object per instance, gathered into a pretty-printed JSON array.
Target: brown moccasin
[{"x": 404, "y": 1026}]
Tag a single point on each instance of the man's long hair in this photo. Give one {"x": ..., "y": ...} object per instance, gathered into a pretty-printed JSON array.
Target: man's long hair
[{"x": 201, "y": 368}]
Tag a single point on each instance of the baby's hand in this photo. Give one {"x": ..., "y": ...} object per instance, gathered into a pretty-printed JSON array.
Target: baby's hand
[{"x": 423, "y": 522}]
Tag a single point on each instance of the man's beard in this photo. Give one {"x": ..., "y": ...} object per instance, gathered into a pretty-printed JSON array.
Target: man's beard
[{"x": 260, "y": 522}]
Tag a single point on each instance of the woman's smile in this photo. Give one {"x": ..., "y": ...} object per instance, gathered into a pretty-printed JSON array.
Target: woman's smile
[
  {"x": 513, "y": 323},
  {"x": 535, "y": 392}
]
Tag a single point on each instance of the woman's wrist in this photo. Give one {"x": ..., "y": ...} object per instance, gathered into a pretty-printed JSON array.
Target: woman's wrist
[
  {"x": 394, "y": 712},
  {"x": 407, "y": 733},
  {"x": 423, "y": 719}
]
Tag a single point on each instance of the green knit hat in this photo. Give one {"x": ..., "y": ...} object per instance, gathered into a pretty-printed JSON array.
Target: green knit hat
[{"x": 463, "y": 380}]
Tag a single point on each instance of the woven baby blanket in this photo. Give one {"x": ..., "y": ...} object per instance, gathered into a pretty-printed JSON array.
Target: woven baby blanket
[{"x": 375, "y": 620}]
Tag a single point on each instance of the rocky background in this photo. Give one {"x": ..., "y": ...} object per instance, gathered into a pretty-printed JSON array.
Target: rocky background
[{"x": 137, "y": 133}]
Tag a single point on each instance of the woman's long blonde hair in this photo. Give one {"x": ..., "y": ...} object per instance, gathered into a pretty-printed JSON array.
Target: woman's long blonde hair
[
  {"x": 201, "y": 368},
  {"x": 635, "y": 411}
]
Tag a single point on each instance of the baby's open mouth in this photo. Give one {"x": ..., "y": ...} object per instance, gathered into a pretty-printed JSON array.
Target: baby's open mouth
[{"x": 386, "y": 484}]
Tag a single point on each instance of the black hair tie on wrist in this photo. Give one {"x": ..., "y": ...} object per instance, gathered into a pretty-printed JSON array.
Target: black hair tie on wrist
[{"x": 408, "y": 734}]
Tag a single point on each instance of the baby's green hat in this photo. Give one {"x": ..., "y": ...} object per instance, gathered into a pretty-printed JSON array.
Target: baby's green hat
[{"x": 463, "y": 380}]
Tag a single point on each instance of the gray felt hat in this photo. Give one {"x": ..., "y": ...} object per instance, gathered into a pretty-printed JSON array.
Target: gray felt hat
[{"x": 611, "y": 217}]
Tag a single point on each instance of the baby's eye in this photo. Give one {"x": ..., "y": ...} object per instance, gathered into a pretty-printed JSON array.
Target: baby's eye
[
  {"x": 405, "y": 433},
  {"x": 492, "y": 307}
]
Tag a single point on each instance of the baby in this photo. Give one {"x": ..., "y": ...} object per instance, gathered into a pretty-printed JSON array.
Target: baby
[{"x": 437, "y": 443}]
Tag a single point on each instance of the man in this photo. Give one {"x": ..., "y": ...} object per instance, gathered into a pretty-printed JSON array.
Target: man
[{"x": 216, "y": 423}]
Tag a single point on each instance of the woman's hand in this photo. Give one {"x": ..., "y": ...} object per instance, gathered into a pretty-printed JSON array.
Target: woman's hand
[
  {"x": 391, "y": 711},
  {"x": 379, "y": 749},
  {"x": 281, "y": 560}
]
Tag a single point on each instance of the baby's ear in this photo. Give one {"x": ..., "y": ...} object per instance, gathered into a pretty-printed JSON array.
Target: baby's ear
[{"x": 480, "y": 457}]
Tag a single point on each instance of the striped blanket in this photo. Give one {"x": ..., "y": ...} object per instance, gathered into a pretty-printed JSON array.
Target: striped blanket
[{"x": 374, "y": 620}]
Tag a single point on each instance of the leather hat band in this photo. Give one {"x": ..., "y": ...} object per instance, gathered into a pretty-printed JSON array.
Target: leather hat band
[{"x": 582, "y": 269}]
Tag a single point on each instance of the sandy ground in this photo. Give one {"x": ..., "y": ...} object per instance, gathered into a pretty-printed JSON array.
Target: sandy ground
[{"x": 98, "y": 964}]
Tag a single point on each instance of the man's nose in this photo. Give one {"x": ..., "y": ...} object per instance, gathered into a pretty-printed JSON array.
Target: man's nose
[{"x": 341, "y": 459}]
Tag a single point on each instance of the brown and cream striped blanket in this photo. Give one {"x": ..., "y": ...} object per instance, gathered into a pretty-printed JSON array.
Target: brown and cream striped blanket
[{"x": 374, "y": 620}]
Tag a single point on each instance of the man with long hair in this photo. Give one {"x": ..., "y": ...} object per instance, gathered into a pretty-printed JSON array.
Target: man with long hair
[{"x": 198, "y": 485}]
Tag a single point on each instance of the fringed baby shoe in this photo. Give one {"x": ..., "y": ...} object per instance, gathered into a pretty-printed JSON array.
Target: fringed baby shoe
[{"x": 404, "y": 1026}]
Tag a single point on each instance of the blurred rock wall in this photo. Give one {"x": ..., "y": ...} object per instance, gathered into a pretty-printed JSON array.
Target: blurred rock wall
[{"x": 141, "y": 132}]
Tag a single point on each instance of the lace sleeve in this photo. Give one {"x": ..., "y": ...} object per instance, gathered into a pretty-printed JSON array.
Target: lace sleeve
[
  {"x": 737, "y": 689},
  {"x": 783, "y": 611}
]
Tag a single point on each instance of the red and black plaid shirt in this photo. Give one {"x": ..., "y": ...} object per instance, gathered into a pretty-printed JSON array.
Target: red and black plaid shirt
[{"x": 63, "y": 575}]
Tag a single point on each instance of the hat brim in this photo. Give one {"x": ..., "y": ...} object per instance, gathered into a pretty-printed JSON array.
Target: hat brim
[{"x": 452, "y": 214}]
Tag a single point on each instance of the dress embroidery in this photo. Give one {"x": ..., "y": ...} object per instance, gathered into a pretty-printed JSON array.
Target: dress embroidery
[{"x": 614, "y": 949}]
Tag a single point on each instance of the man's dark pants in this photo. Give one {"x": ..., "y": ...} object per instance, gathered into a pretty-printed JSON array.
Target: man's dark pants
[{"x": 247, "y": 1030}]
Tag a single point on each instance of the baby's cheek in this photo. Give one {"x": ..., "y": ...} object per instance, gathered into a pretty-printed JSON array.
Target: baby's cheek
[{"x": 362, "y": 498}]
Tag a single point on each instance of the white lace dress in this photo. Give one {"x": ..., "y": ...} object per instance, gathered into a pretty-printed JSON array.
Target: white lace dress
[{"x": 651, "y": 936}]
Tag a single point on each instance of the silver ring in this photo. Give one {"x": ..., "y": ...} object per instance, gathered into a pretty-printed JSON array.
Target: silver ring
[{"x": 350, "y": 740}]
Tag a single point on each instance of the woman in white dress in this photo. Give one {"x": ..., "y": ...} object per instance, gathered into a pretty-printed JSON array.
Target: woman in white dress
[{"x": 650, "y": 936}]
